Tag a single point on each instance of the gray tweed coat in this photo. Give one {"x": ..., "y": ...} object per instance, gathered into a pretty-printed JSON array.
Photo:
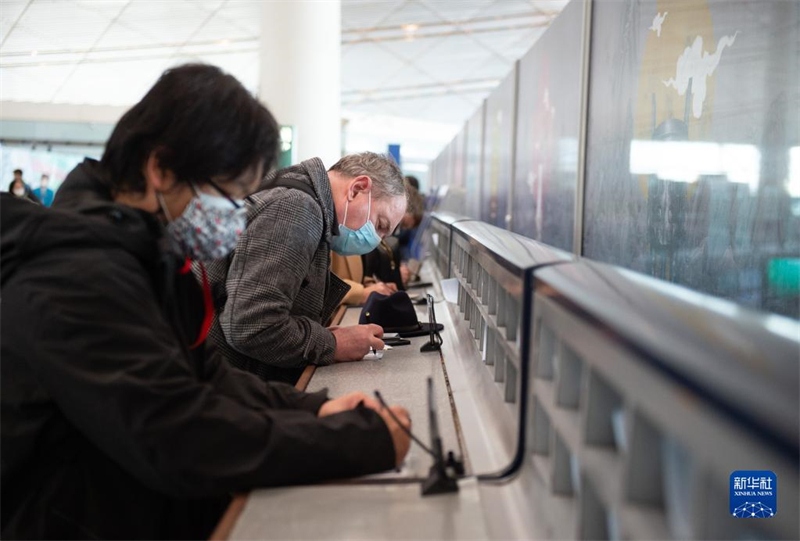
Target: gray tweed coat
[{"x": 275, "y": 293}]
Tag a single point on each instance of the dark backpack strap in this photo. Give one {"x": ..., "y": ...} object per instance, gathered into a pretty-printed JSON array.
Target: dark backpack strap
[
  {"x": 283, "y": 182},
  {"x": 305, "y": 187}
]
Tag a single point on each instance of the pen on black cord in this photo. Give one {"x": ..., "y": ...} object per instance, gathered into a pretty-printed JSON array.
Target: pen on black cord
[{"x": 366, "y": 318}]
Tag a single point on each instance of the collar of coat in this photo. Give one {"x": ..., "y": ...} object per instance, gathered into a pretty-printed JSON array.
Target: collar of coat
[{"x": 313, "y": 173}]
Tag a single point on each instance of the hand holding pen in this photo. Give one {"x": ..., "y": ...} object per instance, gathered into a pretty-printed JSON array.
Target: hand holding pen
[
  {"x": 371, "y": 347},
  {"x": 353, "y": 342}
]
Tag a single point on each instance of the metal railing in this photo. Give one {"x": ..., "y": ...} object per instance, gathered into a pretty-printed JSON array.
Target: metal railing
[{"x": 634, "y": 399}]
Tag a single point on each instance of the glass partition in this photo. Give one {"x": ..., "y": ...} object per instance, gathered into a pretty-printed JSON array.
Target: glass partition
[
  {"x": 548, "y": 128},
  {"x": 497, "y": 152},
  {"x": 693, "y": 156},
  {"x": 473, "y": 166}
]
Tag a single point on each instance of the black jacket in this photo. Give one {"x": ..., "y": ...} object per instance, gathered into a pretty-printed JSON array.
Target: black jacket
[{"x": 111, "y": 426}]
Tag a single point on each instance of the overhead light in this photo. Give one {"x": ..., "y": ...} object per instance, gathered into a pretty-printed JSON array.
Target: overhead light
[
  {"x": 409, "y": 29},
  {"x": 34, "y": 53},
  {"x": 224, "y": 42}
]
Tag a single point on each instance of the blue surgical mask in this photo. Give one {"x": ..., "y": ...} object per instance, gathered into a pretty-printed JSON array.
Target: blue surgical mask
[{"x": 356, "y": 242}]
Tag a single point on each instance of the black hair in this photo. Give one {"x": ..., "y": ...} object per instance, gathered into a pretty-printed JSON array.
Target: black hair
[
  {"x": 414, "y": 181},
  {"x": 201, "y": 123},
  {"x": 18, "y": 171}
]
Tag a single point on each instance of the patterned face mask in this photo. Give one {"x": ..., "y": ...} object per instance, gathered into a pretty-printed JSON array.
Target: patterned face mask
[{"x": 208, "y": 228}]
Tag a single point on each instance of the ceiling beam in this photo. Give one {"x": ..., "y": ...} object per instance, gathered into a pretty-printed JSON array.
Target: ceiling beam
[{"x": 548, "y": 15}]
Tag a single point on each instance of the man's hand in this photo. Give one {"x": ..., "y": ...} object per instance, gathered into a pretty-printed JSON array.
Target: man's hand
[
  {"x": 348, "y": 402},
  {"x": 379, "y": 287},
  {"x": 400, "y": 438},
  {"x": 352, "y": 343}
]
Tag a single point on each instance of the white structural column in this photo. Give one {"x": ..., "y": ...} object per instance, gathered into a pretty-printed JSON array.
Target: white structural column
[{"x": 300, "y": 72}]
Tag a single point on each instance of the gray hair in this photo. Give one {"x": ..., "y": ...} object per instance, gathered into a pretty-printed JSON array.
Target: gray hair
[{"x": 387, "y": 179}]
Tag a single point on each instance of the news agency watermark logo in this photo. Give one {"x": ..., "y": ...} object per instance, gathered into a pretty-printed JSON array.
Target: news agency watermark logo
[{"x": 753, "y": 494}]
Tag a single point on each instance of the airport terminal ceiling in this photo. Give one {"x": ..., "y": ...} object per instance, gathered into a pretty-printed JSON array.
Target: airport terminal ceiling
[{"x": 427, "y": 60}]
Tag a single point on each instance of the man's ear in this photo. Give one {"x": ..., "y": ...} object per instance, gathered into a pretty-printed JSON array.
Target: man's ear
[{"x": 361, "y": 183}]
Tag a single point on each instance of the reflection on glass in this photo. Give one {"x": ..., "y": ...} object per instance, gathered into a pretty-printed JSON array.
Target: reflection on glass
[
  {"x": 497, "y": 143},
  {"x": 473, "y": 165},
  {"x": 687, "y": 161},
  {"x": 793, "y": 183},
  {"x": 548, "y": 128},
  {"x": 693, "y": 164}
]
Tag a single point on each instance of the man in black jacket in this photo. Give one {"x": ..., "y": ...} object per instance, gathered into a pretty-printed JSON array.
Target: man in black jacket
[{"x": 116, "y": 420}]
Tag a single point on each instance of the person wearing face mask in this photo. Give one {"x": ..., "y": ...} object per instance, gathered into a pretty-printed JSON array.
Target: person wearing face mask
[
  {"x": 120, "y": 421},
  {"x": 19, "y": 188},
  {"x": 45, "y": 194},
  {"x": 276, "y": 293}
]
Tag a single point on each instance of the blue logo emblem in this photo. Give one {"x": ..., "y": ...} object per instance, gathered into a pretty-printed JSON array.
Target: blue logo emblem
[{"x": 753, "y": 494}]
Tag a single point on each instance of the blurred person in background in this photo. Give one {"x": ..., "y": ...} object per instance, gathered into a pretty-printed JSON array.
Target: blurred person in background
[
  {"x": 45, "y": 194},
  {"x": 412, "y": 181},
  {"x": 383, "y": 264},
  {"x": 18, "y": 188},
  {"x": 407, "y": 233},
  {"x": 351, "y": 269},
  {"x": 119, "y": 421}
]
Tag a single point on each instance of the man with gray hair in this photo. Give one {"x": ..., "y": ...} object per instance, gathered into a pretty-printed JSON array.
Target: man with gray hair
[{"x": 276, "y": 293}]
